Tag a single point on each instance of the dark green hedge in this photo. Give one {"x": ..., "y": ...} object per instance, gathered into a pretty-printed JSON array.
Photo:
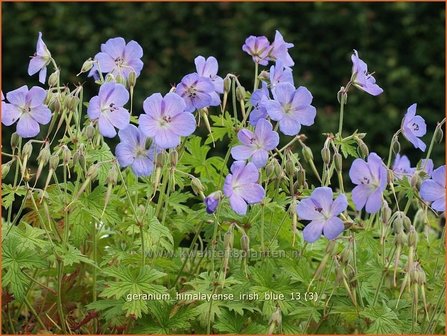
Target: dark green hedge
[{"x": 402, "y": 42}]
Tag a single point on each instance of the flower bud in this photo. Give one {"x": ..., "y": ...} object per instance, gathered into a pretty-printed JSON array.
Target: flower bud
[
  {"x": 364, "y": 151},
  {"x": 301, "y": 177},
  {"x": 400, "y": 238},
  {"x": 342, "y": 95},
  {"x": 338, "y": 162},
  {"x": 132, "y": 79},
  {"x": 240, "y": 93},
  {"x": 53, "y": 80},
  {"x": 398, "y": 223},
  {"x": 66, "y": 155},
  {"x": 15, "y": 140},
  {"x": 331, "y": 247},
  {"x": 420, "y": 218},
  {"x": 173, "y": 157},
  {"x": 346, "y": 255},
  {"x": 5, "y": 168},
  {"x": 276, "y": 318},
  {"x": 112, "y": 176},
  {"x": 270, "y": 168},
  {"x": 264, "y": 76},
  {"x": 27, "y": 149},
  {"x": 54, "y": 161},
  {"x": 360, "y": 135},
  {"x": 386, "y": 213},
  {"x": 197, "y": 186},
  {"x": 72, "y": 102},
  {"x": 92, "y": 171},
  {"x": 415, "y": 180},
  {"x": 227, "y": 84},
  {"x": 307, "y": 154},
  {"x": 229, "y": 238},
  {"x": 160, "y": 158},
  {"x": 395, "y": 145},
  {"x": 245, "y": 243},
  {"x": 110, "y": 78},
  {"x": 89, "y": 131},
  {"x": 212, "y": 201},
  {"x": 88, "y": 64},
  {"x": 412, "y": 237},
  {"x": 290, "y": 168},
  {"x": 44, "y": 155},
  {"x": 326, "y": 155}
]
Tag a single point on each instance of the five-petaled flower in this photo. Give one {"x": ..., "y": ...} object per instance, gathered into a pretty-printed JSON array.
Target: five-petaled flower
[
  {"x": 257, "y": 100},
  {"x": 258, "y": 47},
  {"x": 255, "y": 145},
  {"x": 165, "y": 119},
  {"x": 40, "y": 60},
  {"x": 26, "y": 106},
  {"x": 107, "y": 108},
  {"x": 196, "y": 91},
  {"x": 402, "y": 167},
  {"x": 322, "y": 211},
  {"x": 118, "y": 58},
  {"x": 291, "y": 108},
  {"x": 433, "y": 189},
  {"x": 132, "y": 151},
  {"x": 208, "y": 68},
  {"x": 241, "y": 186},
  {"x": 279, "y": 52},
  {"x": 371, "y": 179},
  {"x": 413, "y": 127},
  {"x": 280, "y": 74},
  {"x": 361, "y": 78}
]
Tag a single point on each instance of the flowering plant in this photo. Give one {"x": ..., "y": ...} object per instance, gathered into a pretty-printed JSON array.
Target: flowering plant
[{"x": 158, "y": 235}]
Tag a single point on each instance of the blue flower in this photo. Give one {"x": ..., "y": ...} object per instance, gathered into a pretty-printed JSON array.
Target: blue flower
[{"x": 413, "y": 127}]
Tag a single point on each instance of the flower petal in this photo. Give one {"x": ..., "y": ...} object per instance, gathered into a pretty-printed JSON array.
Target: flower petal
[
  {"x": 41, "y": 114},
  {"x": 142, "y": 166},
  {"x": 18, "y": 96},
  {"x": 124, "y": 153},
  {"x": 438, "y": 175},
  {"x": 260, "y": 158},
  {"x": 105, "y": 127},
  {"x": 251, "y": 193},
  {"x": 36, "y": 96},
  {"x": 283, "y": 93},
  {"x": 306, "y": 210},
  {"x": 130, "y": 135},
  {"x": 152, "y": 105},
  {"x": 374, "y": 202},
  {"x": 94, "y": 108},
  {"x": 166, "y": 138},
  {"x": 114, "y": 47},
  {"x": 132, "y": 51},
  {"x": 36, "y": 64},
  {"x": 323, "y": 196},
  {"x": 238, "y": 204},
  {"x": 183, "y": 124},
  {"x": 360, "y": 195},
  {"x": 289, "y": 126},
  {"x": 313, "y": 230},
  {"x": 173, "y": 104},
  {"x": 27, "y": 127},
  {"x": 119, "y": 118},
  {"x": 439, "y": 204},
  {"x": 148, "y": 125},
  {"x": 339, "y": 205},
  {"x": 241, "y": 152},
  {"x": 431, "y": 191},
  {"x": 333, "y": 228},
  {"x": 106, "y": 62},
  {"x": 10, "y": 114}
]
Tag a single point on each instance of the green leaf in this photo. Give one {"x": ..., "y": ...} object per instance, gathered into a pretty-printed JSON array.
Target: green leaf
[
  {"x": 9, "y": 194},
  {"x": 71, "y": 255},
  {"x": 348, "y": 147},
  {"x": 384, "y": 320}
]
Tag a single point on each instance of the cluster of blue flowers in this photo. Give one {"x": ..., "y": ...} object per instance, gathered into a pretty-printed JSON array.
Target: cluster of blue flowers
[{"x": 168, "y": 118}]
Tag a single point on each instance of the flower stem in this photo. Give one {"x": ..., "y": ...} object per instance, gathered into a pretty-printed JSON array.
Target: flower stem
[
  {"x": 60, "y": 274},
  {"x": 255, "y": 87},
  {"x": 433, "y": 138},
  {"x": 394, "y": 139},
  {"x": 340, "y": 123}
]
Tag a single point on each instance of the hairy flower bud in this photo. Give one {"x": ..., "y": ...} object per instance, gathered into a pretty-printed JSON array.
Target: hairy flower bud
[
  {"x": 364, "y": 151},
  {"x": 331, "y": 247},
  {"x": 54, "y": 161},
  {"x": 72, "y": 102},
  {"x": 439, "y": 134},
  {"x": 197, "y": 186},
  {"x": 245, "y": 243},
  {"x": 276, "y": 318},
  {"x": 5, "y": 168},
  {"x": 386, "y": 213},
  {"x": 326, "y": 155},
  {"x": 53, "y": 80},
  {"x": 86, "y": 66},
  {"x": 66, "y": 155},
  {"x": 227, "y": 84},
  {"x": 132, "y": 79},
  {"x": 173, "y": 157},
  {"x": 307, "y": 154},
  {"x": 338, "y": 162},
  {"x": 44, "y": 155},
  {"x": 229, "y": 238},
  {"x": 412, "y": 237},
  {"x": 420, "y": 218},
  {"x": 264, "y": 76},
  {"x": 27, "y": 149},
  {"x": 15, "y": 140},
  {"x": 240, "y": 93},
  {"x": 400, "y": 239},
  {"x": 290, "y": 168},
  {"x": 92, "y": 171},
  {"x": 89, "y": 131},
  {"x": 112, "y": 176}
]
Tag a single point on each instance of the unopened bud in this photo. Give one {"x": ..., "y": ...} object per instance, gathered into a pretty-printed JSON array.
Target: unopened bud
[
  {"x": 346, "y": 255},
  {"x": 270, "y": 168},
  {"x": 412, "y": 237},
  {"x": 197, "y": 186},
  {"x": 54, "y": 161},
  {"x": 53, "y": 80},
  {"x": 15, "y": 140},
  {"x": 307, "y": 154},
  {"x": 364, "y": 151},
  {"x": 301, "y": 177},
  {"x": 395, "y": 145},
  {"x": 326, "y": 155},
  {"x": 420, "y": 218},
  {"x": 5, "y": 169},
  {"x": 112, "y": 176},
  {"x": 173, "y": 157},
  {"x": 290, "y": 168},
  {"x": 245, "y": 243},
  {"x": 360, "y": 135},
  {"x": 227, "y": 84},
  {"x": 331, "y": 247},
  {"x": 132, "y": 79},
  {"x": 72, "y": 102},
  {"x": 398, "y": 223},
  {"x": 338, "y": 162},
  {"x": 240, "y": 93},
  {"x": 400, "y": 239},
  {"x": 90, "y": 131},
  {"x": 229, "y": 238},
  {"x": 342, "y": 95},
  {"x": 264, "y": 76},
  {"x": 110, "y": 78},
  {"x": 415, "y": 180},
  {"x": 44, "y": 155},
  {"x": 66, "y": 155},
  {"x": 276, "y": 318},
  {"x": 386, "y": 213},
  {"x": 92, "y": 171},
  {"x": 88, "y": 64},
  {"x": 27, "y": 149}
]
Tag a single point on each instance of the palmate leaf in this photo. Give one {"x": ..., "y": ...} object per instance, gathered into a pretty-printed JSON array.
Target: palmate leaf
[
  {"x": 9, "y": 194},
  {"x": 230, "y": 323},
  {"x": 102, "y": 155},
  {"x": 384, "y": 320},
  {"x": 29, "y": 237},
  {"x": 132, "y": 280},
  {"x": 222, "y": 125},
  {"x": 348, "y": 147},
  {"x": 109, "y": 309},
  {"x": 71, "y": 255}
]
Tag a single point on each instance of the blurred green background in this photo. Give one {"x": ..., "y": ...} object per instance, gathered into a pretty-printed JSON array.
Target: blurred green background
[{"x": 403, "y": 43}]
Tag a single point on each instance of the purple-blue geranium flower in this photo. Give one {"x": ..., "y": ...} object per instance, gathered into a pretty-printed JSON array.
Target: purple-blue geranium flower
[
  {"x": 118, "y": 58},
  {"x": 280, "y": 74},
  {"x": 26, "y": 106},
  {"x": 196, "y": 91},
  {"x": 361, "y": 78},
  {"x": 322, "y": 211},
  {"x": 255, "y": 145},
  {"x": 165, "y": 119},
  {"x": 291, "y": 108},
  {"x": 258, "y": 47},
  {"x": 413, "y": 127},
  {"x": 107, "y": 108},
  {"x": 371, "y": 179},
  {"x": 433, "y": 190},
  {"x": 40, "y": 60},
  {"x": 257, "y": 100},
  {"x": 279, "y": 52},
  {"x": 208, "y": 68},
  {"x": 212, "y": 201},
  {"x": 427, "y": 166},
  {"x": 132, "y": 151},
  {"x": 241, "y": 186},
  {"x": 402, "y": 167}
]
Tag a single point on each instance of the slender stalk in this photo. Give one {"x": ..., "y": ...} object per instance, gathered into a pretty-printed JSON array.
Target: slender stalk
[
  {"x": 340, "y": 123},
  {"x": 60, "y": 309},
  {"x": 255, "y": 87},
  {"x": 433, "y": 138},
  {"x": 30, "y": 307}
]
